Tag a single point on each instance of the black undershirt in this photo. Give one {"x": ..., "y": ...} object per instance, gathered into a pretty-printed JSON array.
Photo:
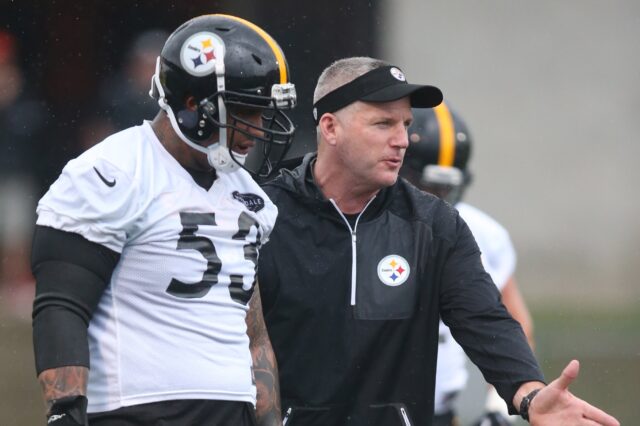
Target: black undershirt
[{"x": 351, "y": 218}]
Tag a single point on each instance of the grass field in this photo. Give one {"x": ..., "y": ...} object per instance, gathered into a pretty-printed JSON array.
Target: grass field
[
  {"x": 608, "y": 347},
  {"x": 607, "y": 344},
  {"x": 20, "y": 402}
]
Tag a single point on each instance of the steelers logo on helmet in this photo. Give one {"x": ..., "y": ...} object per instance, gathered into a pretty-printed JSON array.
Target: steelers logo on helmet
[
  {"x": 397, "y": 74},
  {"x": 393, "y": 270},
  {"x": 200, "y": 52}
]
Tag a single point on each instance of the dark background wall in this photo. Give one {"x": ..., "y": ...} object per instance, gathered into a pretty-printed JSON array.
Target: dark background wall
[{"x": 69, "y": 48}]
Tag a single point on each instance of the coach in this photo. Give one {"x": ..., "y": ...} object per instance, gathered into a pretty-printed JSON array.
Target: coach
[{"x": 361, "y": 265}]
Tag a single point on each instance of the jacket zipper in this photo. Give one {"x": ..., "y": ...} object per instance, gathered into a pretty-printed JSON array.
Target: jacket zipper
[
  {"x": 404, "y": 416},
  {"x": 286, "y": 416},
  {"x": 353, "y": 245}
]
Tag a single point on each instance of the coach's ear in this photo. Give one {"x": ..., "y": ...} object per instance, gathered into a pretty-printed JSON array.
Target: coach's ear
[{"x": 328, "y": 128}]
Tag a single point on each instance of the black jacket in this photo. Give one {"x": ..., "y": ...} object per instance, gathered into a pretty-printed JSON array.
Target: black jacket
[{"x": 365, "y": 354}]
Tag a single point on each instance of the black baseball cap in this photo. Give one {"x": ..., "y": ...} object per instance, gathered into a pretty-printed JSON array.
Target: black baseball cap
[{"x": 384, "y": 84}]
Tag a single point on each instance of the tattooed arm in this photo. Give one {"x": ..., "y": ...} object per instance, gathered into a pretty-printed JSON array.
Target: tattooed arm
[
  {"x": 62, "y": 382},
  {"x": 265, "y": 367},
  {"x": 71, "y": 274}
]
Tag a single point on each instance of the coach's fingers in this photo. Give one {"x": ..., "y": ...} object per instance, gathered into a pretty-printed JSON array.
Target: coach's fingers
[
  {"x": 587, "y": 422},
  {"x": 599, "y": 417},
  {"x": 568, "y": 375}
]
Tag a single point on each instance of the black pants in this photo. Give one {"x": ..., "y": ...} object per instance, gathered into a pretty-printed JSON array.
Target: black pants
[{"x": 188, "y": 412}]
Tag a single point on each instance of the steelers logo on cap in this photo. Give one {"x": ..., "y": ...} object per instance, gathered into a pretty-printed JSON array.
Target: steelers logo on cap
[
  {"x": 397, "y": 74},
  {"x": 393, "y": 270},
  {"x": 200, "y": 52}
]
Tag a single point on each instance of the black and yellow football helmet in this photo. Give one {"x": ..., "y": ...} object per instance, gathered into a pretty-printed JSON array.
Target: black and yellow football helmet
[
  {"x": 439, "y": 151},
  {"x": 227, "y": 64}
]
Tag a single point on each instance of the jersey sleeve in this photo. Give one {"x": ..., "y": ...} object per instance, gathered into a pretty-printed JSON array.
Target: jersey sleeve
[
  {"x": 93, "y": 198},
  {"x": 498, "y": 253},
  {"x": 500, "y": 256},
  {"x": 268, "y": 220}
]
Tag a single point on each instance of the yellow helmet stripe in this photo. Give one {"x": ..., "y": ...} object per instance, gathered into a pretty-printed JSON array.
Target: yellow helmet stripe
[
  {"x": 270, "y": 41},
  {"x": 446, "y": 156}
]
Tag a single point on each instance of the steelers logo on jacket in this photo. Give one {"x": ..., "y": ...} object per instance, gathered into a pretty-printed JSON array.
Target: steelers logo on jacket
[{"x": 393, "y": 270}]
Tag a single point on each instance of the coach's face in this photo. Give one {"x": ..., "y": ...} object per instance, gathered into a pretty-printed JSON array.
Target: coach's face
[{"x": 372, "y": 140}]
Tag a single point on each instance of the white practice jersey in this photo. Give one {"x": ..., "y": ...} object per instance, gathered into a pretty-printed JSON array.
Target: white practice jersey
[
  {"x": 499, "y": 260},
  {"x": 171, "y": 323}
]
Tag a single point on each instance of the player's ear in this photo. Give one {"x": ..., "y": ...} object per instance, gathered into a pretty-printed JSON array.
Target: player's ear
[
  {"x": 188, "y": 116},
  {"x": 191, "y": 103}
]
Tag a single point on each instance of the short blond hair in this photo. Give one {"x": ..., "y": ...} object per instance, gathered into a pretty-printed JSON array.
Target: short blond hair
[{"x": 344, "y": 71}]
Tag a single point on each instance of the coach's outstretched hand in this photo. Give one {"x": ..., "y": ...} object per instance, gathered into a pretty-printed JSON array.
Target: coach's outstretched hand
[{"x": 555, "y": 405}]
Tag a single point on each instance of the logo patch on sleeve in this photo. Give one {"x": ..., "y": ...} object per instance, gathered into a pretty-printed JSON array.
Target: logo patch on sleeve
[
  {"x": 393, "y": 270},
  {"x": 253, "y": 202}
]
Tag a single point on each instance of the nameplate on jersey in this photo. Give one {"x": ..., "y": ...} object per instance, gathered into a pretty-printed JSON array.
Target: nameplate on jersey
[{"x": 253, "y": 202}]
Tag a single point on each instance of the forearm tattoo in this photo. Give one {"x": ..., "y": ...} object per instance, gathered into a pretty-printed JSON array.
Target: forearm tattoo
[
  {"x": 265, "y": 367},
  {"x": 64, "y": 381}
]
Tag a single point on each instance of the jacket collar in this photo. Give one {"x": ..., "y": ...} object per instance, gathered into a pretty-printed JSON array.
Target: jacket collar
[{"x": 302, "y": 185}]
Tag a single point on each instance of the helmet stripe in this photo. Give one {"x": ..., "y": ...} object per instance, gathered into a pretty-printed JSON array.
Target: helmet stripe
[
  {"x": 446, "y": 156},
  {"x": 270, "y": 41}
]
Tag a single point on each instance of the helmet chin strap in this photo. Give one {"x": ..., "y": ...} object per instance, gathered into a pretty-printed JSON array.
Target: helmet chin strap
[{"x": 218, "y": 153}]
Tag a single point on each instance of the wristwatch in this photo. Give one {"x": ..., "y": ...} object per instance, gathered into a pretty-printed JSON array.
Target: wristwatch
[{"x": 526, "y": 402}]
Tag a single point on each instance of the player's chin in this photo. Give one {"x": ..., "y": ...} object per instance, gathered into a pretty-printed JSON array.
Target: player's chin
[
  {"x": 243, "y": 145},
  {"x": 242, "y": 150}
]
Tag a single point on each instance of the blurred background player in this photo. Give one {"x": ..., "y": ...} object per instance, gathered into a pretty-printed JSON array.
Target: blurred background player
[
  {"x": 124, "y": 99},
  {"x": 22, "y": 121},
  {"x": 437, "y": 162},
  {"x": 126, "y": 95}
]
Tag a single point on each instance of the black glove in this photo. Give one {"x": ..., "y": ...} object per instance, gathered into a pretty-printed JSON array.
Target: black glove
[
  {"x": 492, "y": 419},
  {"x": 69, "y": 411}
]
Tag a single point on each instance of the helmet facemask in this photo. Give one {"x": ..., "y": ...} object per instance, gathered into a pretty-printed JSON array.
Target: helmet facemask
[
  {"x": 273, "y": 137},
  {"x": 447, "y": 183}
]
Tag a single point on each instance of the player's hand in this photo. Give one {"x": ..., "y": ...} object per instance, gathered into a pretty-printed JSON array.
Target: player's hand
[
  {"x": 69, "y": 411},
  {"x": 555, "y": 405},
  {"x": 492, "y": 419}
]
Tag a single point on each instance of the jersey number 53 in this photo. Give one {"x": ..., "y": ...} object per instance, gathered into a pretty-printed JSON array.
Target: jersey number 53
[{"x": 190, "y": 241}]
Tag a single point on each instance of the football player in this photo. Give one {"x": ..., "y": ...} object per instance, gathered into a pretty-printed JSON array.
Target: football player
[
  {"x": 146, "y": 246},
  {"x": 437, "y": 162}
]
